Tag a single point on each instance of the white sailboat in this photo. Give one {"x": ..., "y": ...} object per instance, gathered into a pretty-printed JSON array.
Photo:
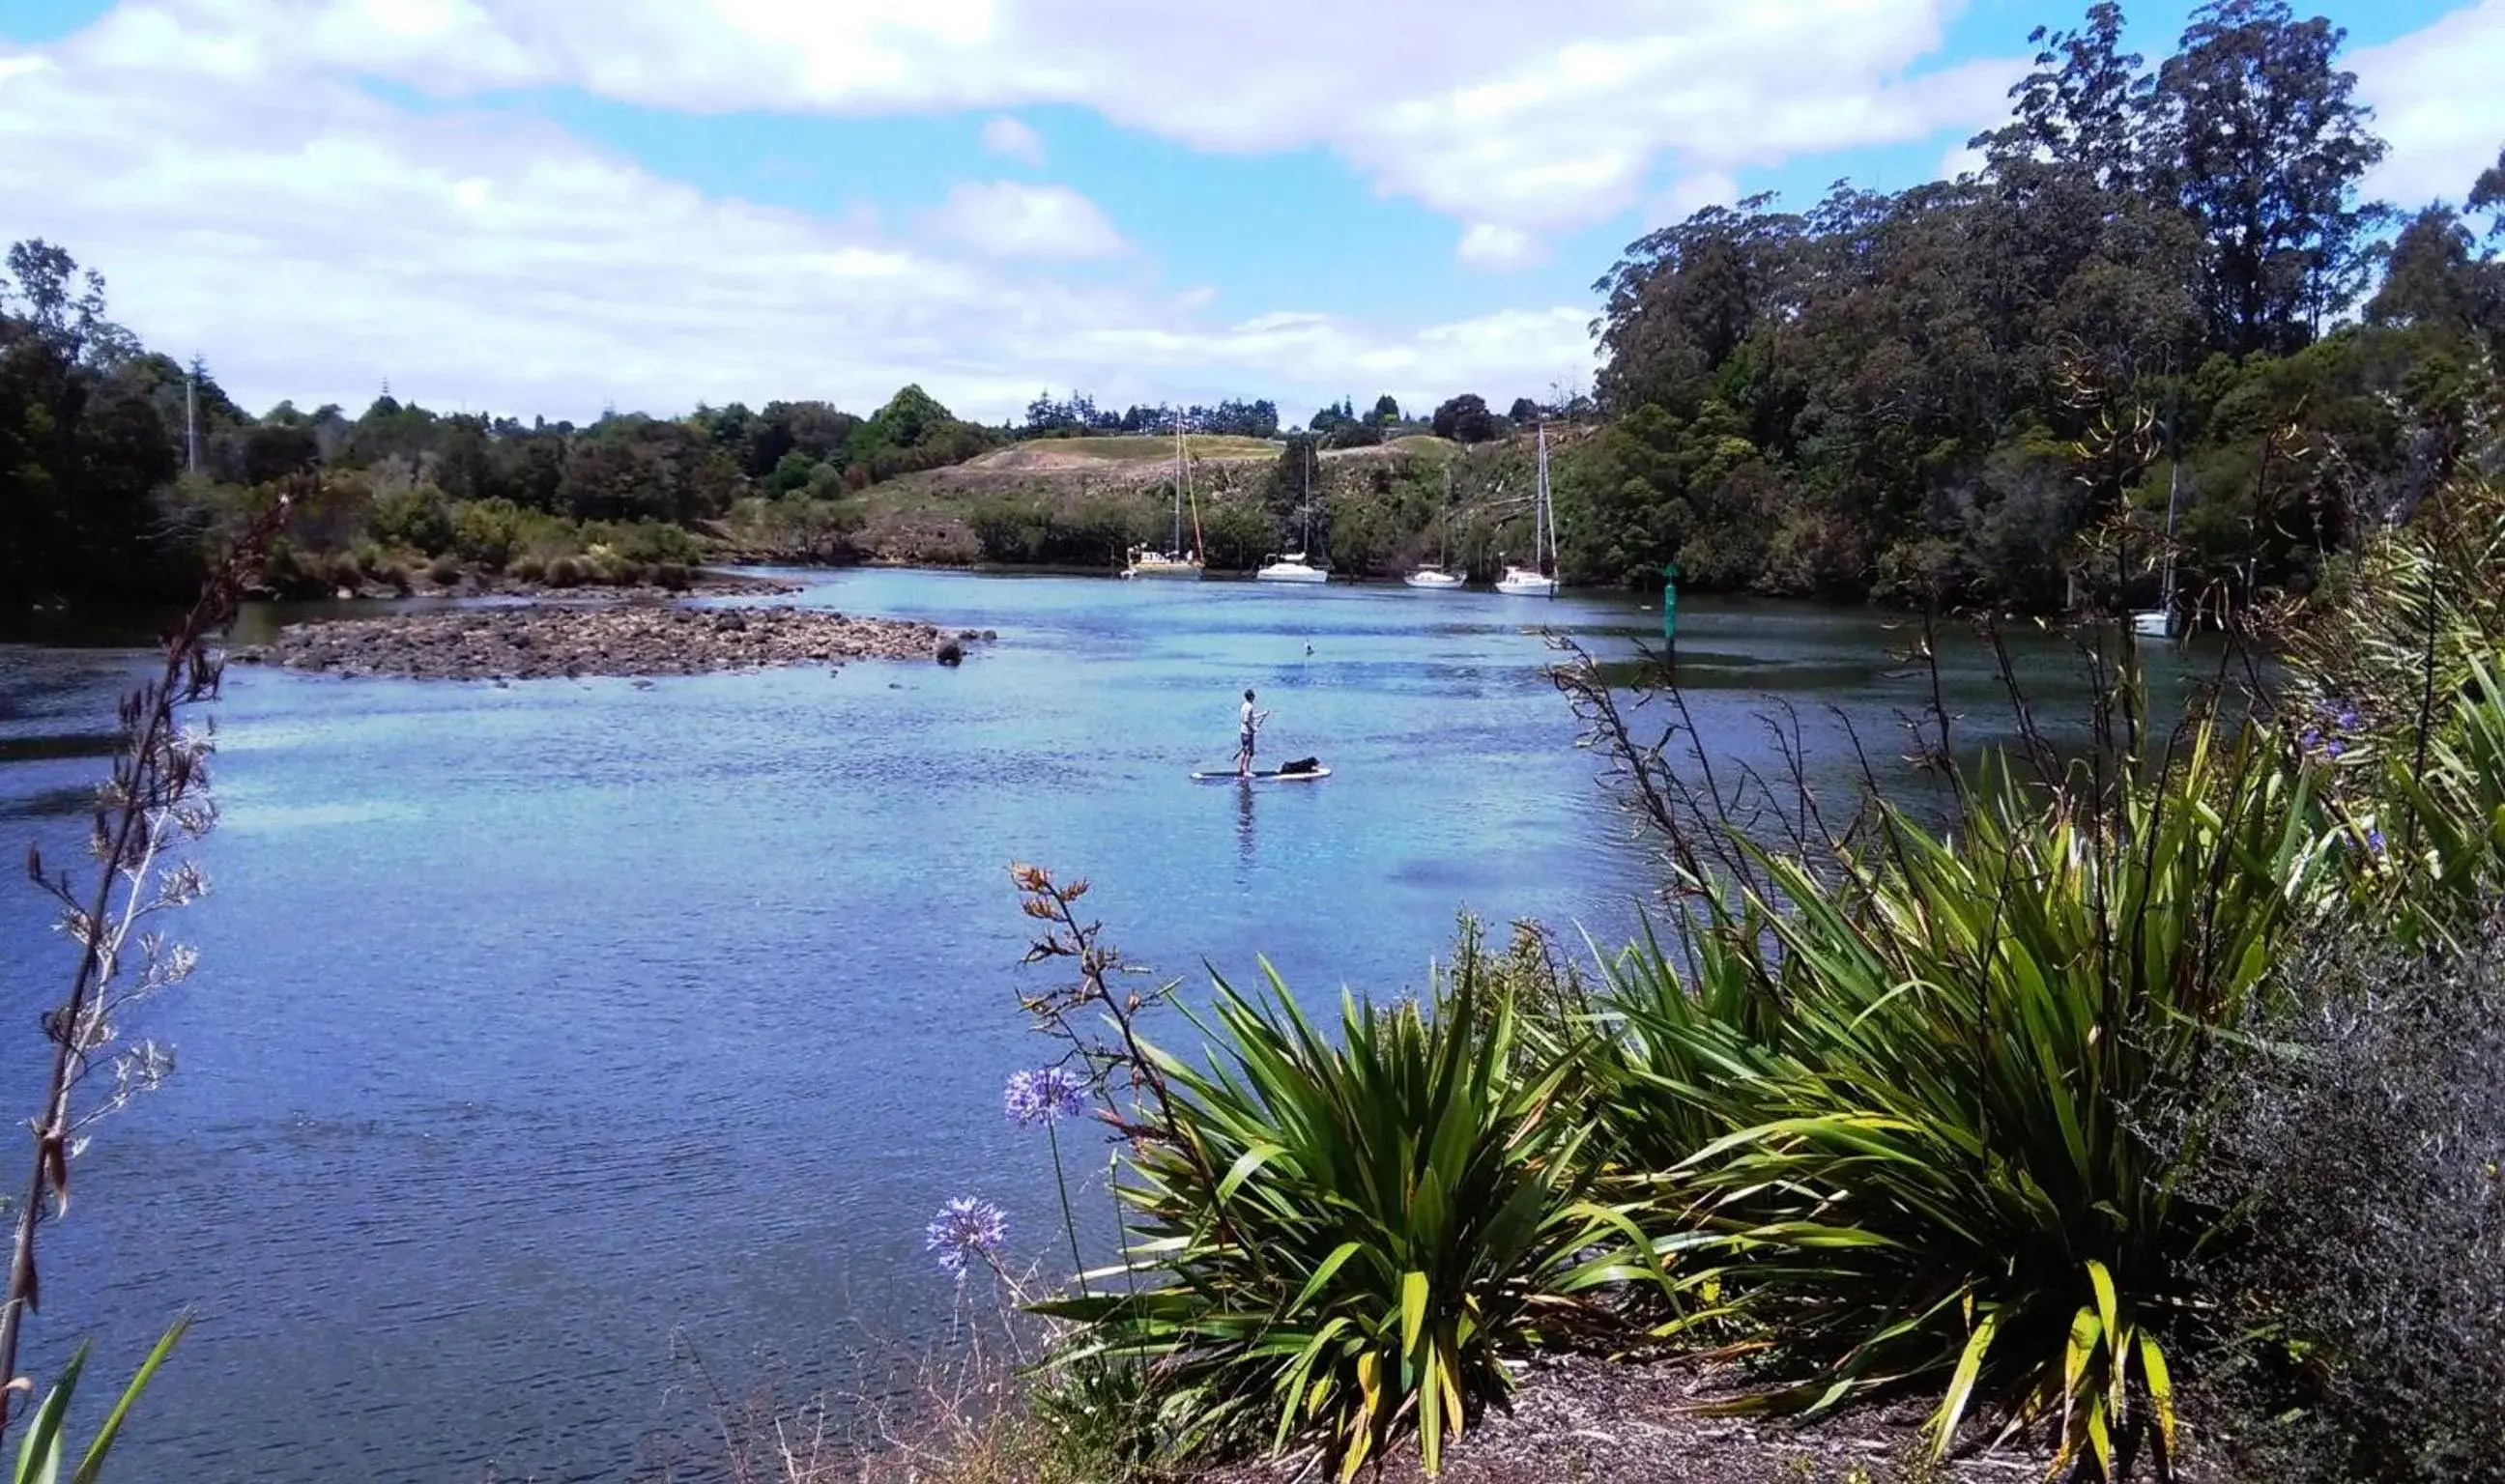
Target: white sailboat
[
  {"x": 1432, "y": 575},
  {"x": 1173, "y": 561},
  {"x": 1537, "y": 580},
  {"x": 1294, "y": 567},
  {"x": 2159, "y": 622}
]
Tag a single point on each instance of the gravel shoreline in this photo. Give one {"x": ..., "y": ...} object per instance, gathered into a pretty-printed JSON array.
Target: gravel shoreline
[{"x": 535, "y": 641}]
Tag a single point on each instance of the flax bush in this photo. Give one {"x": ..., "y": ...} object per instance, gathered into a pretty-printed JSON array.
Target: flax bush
[
  {"x": 1335, "y": 1238},
  {"x": 1359, "y": 1230},
  {"x": 1905, "y": 1098}
]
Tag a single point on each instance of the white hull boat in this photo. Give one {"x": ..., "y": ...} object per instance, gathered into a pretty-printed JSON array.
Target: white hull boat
[
  {"x": 1295, "y": 565},
  {"x": 1165, "y": 565},
  {"x": 1535, "y": 581},
  {"x": 1434, "y": 579},
  {"x": 1291, "y": 567},
  {"x": 2159, "y": 622}
]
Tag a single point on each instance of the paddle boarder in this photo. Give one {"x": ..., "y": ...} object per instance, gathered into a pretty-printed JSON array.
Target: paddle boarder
[{"x": 1248, "y": 723}]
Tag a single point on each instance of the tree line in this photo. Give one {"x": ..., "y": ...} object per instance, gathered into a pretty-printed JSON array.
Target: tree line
[
  {"x": 120, "y": 467},
  {"x": 2159, "y": 282},
  {"x": 1465, "y": 418},
  {"x": 2156, "y": 323}
]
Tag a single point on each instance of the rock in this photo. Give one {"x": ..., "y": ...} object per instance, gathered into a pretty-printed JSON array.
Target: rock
[{"x": 537, "y": 642}]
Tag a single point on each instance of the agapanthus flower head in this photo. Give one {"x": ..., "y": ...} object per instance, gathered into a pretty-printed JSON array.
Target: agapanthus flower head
[
  {"x": 1041, "y": 1095},
  {"x": 964, "y": 1226},
  {"x": 2374, "y": 840}
]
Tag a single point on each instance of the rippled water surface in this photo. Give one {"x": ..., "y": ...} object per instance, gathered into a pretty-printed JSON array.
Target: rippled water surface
[{"x": 538, "y": 1023}]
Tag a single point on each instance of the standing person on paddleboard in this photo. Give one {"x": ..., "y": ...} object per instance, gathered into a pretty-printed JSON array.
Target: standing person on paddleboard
[{"x": 1248, "y": 723}]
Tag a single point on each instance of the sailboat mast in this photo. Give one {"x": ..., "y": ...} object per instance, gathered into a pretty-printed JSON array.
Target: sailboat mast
[
  {"x": 2173, "y": 498},
  {"x": 191, "y": 421},
  {"x": 1183, "y": 471},
  {"x": 1543, "y": 525}
]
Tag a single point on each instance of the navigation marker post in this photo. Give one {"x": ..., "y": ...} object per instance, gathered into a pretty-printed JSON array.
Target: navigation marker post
[{"x": 1670, "y": 612}]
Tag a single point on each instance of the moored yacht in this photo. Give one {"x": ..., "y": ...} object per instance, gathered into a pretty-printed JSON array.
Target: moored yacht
[
  {"x": 1174, "y": 562},
  {"x": 1295, "y": 566},
  {"x": 1537, "y": 580}
]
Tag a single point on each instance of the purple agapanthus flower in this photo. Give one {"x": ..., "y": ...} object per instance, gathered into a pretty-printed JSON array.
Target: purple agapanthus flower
[
  {"x": 2336, "y": 721},
  {"x": 1041, "y": 1095},
  {"x": 966, "y": 1225},
  {"x": 2374, "y": 840}
]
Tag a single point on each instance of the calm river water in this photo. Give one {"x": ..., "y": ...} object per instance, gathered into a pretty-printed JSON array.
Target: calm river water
[{"x": 537, "y": 1024}]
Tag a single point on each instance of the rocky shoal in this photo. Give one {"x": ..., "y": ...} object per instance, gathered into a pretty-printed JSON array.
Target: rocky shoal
[{"x": 545, "y": 640}]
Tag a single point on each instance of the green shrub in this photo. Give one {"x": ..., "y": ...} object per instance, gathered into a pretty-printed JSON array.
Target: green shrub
[
  {"x": 565, "y": 571},
  {"x": 644, "y": 541},
  {"x": 344, "y": 570},
  {"x": 1345, "y": 1238},
  {"x": 444, "y": 571},
  {"x": 671, "y": 575},
  {"x": 528, "y": 569},
  {"x": 2358, "y": 1135},
  {"x": 1923, "y": 1077},
  {"x": 487, "y": 533},
  {"x": 419, "y": 518},
  {"x": 291, "y": 572}
]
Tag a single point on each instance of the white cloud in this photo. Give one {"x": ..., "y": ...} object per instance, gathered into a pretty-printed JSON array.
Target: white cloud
[
  {"x": 2439, "y": 101},
  {"x": 1007, "y": 219},
  {"x": 1449, "y": 104},
  {"x": 314, "y": 239},
  {"x": 1011, "y": 138},
  {"x": 1492, "y": 245}
]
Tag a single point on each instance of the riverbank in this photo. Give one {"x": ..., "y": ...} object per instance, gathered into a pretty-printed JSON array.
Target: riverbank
[
  {"x": 547, "y": 641},
  {"x": 1670, "y": 1421},
  {"x": 534, "y": 580}
]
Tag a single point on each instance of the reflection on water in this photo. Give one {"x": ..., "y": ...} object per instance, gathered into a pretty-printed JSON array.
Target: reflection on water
[
  {"x": 1244, "y": 827},
  {"x": 537, "y": 1021}
]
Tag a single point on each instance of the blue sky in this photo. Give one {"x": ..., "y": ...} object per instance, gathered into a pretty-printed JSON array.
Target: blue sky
[{"x": 500, "y": 203}]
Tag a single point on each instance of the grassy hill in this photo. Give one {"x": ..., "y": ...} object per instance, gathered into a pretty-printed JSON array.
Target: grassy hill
[{"x": 1082, "y": 501}]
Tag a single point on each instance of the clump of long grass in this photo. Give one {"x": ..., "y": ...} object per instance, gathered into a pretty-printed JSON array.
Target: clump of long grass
[
  {"x": 1335, "y": 1239},
  {"x": 1911, "y": 1093}
]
